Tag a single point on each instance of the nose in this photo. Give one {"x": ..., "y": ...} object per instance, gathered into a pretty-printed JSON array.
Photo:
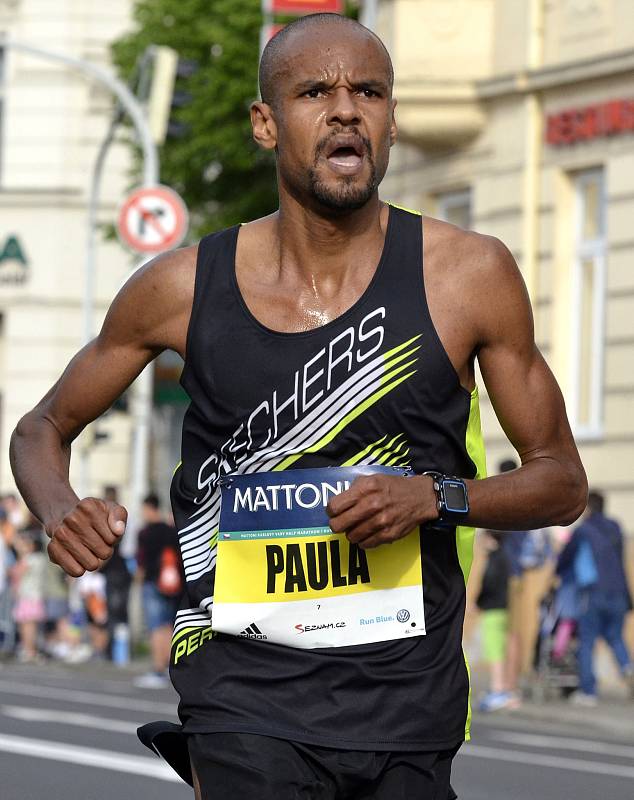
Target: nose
[{"x": 343, "y": 108}]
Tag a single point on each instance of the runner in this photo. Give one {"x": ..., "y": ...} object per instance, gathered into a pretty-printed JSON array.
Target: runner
[{"x": 338, "y": 332}]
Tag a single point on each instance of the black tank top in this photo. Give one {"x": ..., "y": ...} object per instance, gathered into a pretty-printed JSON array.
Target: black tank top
[{"x": 373, "y": 386}]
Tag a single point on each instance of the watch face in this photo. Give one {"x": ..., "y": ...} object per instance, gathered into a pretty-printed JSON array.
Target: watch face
[{"x": 455, "y": 497}]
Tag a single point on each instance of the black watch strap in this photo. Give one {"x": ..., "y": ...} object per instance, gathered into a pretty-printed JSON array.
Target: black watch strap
[{"x": 452, "y": 499}]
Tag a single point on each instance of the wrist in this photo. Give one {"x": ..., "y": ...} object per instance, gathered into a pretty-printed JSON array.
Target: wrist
[
  {"x": 53, "y": 515},
  {"x": 427, "y": 504}
]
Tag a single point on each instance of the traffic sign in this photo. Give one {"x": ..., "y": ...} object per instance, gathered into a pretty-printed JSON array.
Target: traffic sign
[{"x": 153, "y": 219}]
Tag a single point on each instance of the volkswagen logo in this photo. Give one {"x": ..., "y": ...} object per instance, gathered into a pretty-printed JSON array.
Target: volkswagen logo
[{"x": 402, "y": 615}]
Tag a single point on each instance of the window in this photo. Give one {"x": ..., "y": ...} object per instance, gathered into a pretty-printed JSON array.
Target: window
[
  {"x": 588, "y": 304},
  {"x": 455, "y": 207}
]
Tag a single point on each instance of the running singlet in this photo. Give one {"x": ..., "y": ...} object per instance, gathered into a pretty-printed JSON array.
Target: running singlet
[{"x": 374, "y": 386}]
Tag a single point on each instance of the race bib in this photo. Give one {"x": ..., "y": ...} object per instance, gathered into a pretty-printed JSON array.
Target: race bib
[{"x": 284, "y": 577}]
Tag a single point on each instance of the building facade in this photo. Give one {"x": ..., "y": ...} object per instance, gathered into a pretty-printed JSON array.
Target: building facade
[
  {"x": 517, "y": 120},
  {"x": 52, "y": 122}
]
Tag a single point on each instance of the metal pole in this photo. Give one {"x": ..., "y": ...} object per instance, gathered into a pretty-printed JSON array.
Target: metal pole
[
  {"x": 89, "y": 274},
  {"x": 128, "y": 101}
]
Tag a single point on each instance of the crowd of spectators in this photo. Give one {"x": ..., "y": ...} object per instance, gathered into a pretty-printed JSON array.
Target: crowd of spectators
[
  {"x": 45, "y": 614},
  {"x": 546, "y": 597}
]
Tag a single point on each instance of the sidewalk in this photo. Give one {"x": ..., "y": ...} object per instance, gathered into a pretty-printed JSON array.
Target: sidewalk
[{"x": 614, "y": 713}]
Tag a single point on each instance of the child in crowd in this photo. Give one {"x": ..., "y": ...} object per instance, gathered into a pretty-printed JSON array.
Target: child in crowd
[{"x": 28, "y": 587}]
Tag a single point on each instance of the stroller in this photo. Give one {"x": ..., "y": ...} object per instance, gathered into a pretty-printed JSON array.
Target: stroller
[{"x": 555, "y": 661}]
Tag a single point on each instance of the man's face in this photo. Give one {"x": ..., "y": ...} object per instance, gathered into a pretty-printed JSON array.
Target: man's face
[{"x": 334, "y": 117}]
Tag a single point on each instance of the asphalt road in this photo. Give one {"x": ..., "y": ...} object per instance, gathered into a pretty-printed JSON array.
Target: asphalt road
[{"x": 70, "y": 734}]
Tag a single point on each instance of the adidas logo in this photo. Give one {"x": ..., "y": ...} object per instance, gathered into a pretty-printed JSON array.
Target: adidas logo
[{"x": 252, "y": 632}]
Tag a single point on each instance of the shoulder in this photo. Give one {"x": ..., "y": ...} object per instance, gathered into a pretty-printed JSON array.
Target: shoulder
[
  {"x": 478, "y": 276},
  {"x": 465, "y": 254},
  {"x": 154, "y": 305},
  {"x": 168, "y": 273}
]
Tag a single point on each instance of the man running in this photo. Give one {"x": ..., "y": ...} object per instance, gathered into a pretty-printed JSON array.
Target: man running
[{"x": 336, "y": 332}]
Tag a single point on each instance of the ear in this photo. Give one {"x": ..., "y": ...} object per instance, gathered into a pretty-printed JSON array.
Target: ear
[
  {"x": 393, "y": 128},
  {"x": 263, "y": 125}
]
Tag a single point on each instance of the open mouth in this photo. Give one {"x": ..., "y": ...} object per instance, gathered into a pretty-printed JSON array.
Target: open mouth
[{"x": 345, "y": 153}]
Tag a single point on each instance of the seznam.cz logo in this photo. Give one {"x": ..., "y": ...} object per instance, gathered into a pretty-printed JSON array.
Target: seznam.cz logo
[{"x": 319, "y": 627}]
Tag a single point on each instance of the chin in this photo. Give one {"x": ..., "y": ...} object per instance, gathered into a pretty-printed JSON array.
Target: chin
[{"x": 344, "y": 195}]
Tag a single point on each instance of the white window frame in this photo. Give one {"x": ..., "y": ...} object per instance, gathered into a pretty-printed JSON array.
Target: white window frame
[
  {"x": 449, "y": 200},
  {"x": 593, "y": 250}
]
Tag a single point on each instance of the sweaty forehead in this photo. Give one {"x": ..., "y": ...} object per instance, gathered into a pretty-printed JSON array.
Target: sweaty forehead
[{"x": 328, "y": 51}]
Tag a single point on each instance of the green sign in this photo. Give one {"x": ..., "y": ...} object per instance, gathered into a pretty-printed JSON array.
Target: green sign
[
  {"x": 13, "y": 262},
  {"x": 12, "y": 251}
]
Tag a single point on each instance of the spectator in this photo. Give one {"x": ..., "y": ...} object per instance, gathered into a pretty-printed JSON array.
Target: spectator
[
  {"x": 160, "y": 572},
  {"x": 15, "y": 510},
  {"x": 28, "y": 586},
  {"x": 57, "y": 611},
  {"x": 92, "y": 589},
  {"x": 7, "y": 559},
  {"x": 492, "y": 602},
  {"x": 118, "y": 582},
  {"x": 530, "y": 558},
  {"x": 595, "y": 552}
]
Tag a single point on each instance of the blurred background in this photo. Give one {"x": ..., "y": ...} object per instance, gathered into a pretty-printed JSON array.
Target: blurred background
[{"x": 516, "y": 119}]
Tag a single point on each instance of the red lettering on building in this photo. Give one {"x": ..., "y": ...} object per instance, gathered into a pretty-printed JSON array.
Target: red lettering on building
[{"x": 592, "y": 122}]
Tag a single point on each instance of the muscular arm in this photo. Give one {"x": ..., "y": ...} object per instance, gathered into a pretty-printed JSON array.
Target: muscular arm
[
  {"x": 150, "y": 314},
  {"x": 550, "y": 486},
  {"x": 497, "y": 327}
]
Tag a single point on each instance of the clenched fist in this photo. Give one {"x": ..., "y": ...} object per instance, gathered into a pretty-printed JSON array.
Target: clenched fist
[{"x": 85, "y": 538}]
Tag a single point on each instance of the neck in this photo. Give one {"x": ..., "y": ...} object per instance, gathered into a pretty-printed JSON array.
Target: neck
[{"x": 325, "y": 245}]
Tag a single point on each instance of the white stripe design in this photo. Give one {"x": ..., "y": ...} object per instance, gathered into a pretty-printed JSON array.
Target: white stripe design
[{"x": 198, "y": 558}]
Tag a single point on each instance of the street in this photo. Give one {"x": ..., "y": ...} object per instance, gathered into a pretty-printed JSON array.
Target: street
[{"x": 70, "y": 732}]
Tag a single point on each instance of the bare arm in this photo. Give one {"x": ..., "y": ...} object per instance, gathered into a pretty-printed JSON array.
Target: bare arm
[
  {"x": 150, "y": 314},
  {"x": 550, "y": 487}
]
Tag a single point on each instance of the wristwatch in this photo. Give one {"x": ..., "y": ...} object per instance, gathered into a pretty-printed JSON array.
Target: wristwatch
[{"x": 452, "y": 499}]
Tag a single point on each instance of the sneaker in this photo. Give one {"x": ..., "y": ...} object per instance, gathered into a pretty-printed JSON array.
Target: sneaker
[
  {"x": 79, "y": 654},
  {"x": 513, "y": 702},
  {"x": 494, "y": 701},
  {"x": 152, "y": 680},
  {"x": 582, "y": 699}
]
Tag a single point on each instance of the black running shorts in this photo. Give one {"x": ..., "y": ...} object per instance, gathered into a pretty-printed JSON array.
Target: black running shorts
[{"x": 254, "y": 767}]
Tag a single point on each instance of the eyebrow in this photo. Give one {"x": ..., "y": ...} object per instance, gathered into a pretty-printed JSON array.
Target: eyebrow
[{"x": 304, "y": 86}]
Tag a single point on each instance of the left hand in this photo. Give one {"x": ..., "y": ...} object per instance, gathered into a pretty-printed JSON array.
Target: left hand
[{"x": 379, "y": 509}]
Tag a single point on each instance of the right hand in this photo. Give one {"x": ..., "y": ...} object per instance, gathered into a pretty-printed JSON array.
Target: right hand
[{"x": 86, "y": 536}]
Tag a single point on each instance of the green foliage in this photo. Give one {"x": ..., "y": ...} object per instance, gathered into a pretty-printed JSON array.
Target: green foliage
[{"x": 217, "y": 168}]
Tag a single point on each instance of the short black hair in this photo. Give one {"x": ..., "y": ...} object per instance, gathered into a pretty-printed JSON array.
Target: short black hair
[
  {"x": 275, "y": 45},
  {"x": 507, "y": 465},
  {"x": 152, "y": 500},
  {"x": 596, "y": 502}
]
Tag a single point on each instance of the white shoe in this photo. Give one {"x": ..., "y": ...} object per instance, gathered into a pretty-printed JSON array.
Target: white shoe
[
  {"x": 582, "y": 699},
  {"x": 152, "y": 680},
  {"x": 79, "y": 654}
]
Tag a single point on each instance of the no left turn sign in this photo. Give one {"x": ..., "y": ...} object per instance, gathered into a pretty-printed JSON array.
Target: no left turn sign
[{"x": 153, "y": 220}]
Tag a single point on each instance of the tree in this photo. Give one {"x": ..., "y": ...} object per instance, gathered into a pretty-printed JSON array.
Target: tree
[{"x": 222, "y": 175}]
